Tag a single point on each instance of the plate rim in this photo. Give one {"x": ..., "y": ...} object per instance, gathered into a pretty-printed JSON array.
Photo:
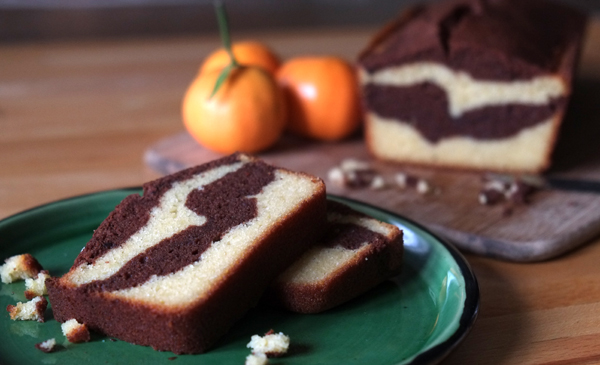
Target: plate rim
[
  {"x": 432, "y": 355},
  {"x": 472, "y": 295}
]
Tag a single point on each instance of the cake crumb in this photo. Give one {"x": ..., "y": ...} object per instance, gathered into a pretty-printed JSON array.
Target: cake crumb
[
  {"x": 75, "y": 332},
  {"x": 257, "y": 359},
  {"x": 36, "y": 287},
  {"x": 29, "y": 311},
  {"x": 351, "y": 164},
  {"x": 506, "y": 189},
  {"x": 353, "y": 173},
  {"x": 490, "y": 197},
  {"x": 337, "y": 177},
  {"x": 271, "y": 344},
  {"x": 404, "y": 180},
  {"x": 377, "y": 183},
  {"x": 19, "y": 267},
  {"x": 46, "y": 346},
  {"x": 423, "y": 187}
]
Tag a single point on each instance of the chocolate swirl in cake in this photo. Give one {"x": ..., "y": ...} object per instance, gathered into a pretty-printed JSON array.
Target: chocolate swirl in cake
[
  {"x": 502, "y": 40},
  {"x": 133, "y": 212},
  {"x": 350, "y": 236},
  {"x": 226, "y": 203},
  {"x": 425, "y": 106}
]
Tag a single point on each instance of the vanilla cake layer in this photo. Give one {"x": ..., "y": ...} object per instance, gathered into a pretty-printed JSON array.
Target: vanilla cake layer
[
  {"x": 357, "y": 253},
  {"x": 526, "y": 151},
  {"x": 176, "y": 268}
]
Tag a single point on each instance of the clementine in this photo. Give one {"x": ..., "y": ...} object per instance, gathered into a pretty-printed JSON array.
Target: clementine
[
  {"x": 322, "y": 96},
  {"x": 247, "y": 113},
  {"x": 249, "y": 53}
]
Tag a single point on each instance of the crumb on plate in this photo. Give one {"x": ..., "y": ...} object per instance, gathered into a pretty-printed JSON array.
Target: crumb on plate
[
  {"x": 46, "y": 346},
  {"x": 74, "y": 331},
  {"x": 35, "y": 287},
  {"x": 271, "y": 344},
  {"x": 256, "y": 359},
  {"x": 28, "y": 311},
  {"x": 19, "y": 267}
]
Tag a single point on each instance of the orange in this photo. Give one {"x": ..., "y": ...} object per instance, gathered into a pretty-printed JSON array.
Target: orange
[
  {"x": 322, "y": 97},
  {"x": 248, "y": 53},
  {"x": 247, "y": 114}
]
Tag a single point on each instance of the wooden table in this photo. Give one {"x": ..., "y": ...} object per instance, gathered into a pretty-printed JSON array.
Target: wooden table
[{"x": 76, "y": 118}]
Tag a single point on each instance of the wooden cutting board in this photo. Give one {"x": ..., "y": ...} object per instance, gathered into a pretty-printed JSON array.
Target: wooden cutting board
[{"x": 552, "y": 223}]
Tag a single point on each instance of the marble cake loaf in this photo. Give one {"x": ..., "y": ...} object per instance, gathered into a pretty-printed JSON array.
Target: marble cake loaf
[
  {"x": 474, "y": 84},
  {"x": 357, "y": 253},
  {"x": 176, "y": 267}
]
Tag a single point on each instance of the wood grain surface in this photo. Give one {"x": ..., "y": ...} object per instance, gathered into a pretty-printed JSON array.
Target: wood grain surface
[{"x": 77, "y": 118}]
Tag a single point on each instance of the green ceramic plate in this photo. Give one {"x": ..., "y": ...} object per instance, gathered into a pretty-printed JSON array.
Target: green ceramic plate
[{"x": 416, "y": 318}]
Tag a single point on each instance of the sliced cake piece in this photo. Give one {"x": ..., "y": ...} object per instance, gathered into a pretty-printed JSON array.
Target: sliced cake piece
[
  {"x": 357, "y": 253},
  {"x": 176, "y": 267},
  {"x": 473, "y": 84}
]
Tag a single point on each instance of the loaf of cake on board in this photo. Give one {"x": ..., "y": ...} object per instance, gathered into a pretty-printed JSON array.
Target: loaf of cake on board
[{"x": 471, "y": 84}]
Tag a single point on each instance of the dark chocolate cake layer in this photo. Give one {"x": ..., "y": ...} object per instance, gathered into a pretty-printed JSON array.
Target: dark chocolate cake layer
[
  {"x": 425, "y": 106},
  {"x": 489, "y": 39}
]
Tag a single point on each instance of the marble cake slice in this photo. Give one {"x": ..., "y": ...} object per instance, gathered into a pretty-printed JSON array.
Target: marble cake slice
[
  {"x": 357, "y": 253},
  {"x": 472, "y": 84},
  {"x": 176, "y": 267}
]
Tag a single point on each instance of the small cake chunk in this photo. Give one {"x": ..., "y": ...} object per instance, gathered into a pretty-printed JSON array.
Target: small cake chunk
[
  {"x": 75, "y": 332},
  {"x": 46, "y": 346},
  {"x": 36, "y": 286},
  {"x": 19, "y": 267},
  {"x": 353, "y": 173},
  {"x": 257, "y": 359},
  {"x": 271, "y": 344},
  {"x": 29, "y": 311}
]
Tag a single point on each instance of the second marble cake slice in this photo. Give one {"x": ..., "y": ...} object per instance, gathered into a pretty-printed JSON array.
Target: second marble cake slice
[{"x": 357, "y": 253}]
